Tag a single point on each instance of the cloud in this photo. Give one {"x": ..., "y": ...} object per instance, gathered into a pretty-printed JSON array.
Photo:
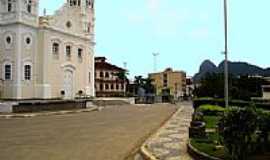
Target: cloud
[{"x": 153, "y": 5}]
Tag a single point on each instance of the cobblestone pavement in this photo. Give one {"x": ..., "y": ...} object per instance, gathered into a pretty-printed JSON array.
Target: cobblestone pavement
[{"x": 170, "y": 141}]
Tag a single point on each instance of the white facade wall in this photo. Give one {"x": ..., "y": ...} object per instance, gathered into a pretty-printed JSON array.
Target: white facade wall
[{"x": 51, "y": 74}]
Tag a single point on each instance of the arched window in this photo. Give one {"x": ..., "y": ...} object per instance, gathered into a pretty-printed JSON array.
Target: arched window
[
  {"x": 80, "y": 52},
  {"x": 9, "y": 6},
  {"x": 68, "y": 51},
  {"x": 29, "y": 6},
  {"x": 55, "y": 48},
  {"x": 27, "y": 72}
]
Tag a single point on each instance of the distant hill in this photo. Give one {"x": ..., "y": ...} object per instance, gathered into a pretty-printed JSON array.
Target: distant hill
[{"x": 235, "y": 68}]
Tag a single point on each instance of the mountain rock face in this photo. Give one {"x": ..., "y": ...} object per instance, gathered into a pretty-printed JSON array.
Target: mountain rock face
[{"x": 235, "y": 68}]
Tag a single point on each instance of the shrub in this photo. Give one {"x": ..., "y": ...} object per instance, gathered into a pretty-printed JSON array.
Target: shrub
[
  {"x": 211, "y": 110},
  {"x": 220, "y": 102},
  {"x": 238, "y": 128}
]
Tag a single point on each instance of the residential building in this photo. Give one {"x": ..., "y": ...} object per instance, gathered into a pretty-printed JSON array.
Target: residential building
[
  {"x": 107, "y": 80},
  {"x": 266, "y": 91},
  {"x": 49, "y": 56},
  {"x": 169, "y": 83}
]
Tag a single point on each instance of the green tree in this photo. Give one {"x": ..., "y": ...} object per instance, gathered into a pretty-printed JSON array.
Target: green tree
[{"x": 145, "y": 83}]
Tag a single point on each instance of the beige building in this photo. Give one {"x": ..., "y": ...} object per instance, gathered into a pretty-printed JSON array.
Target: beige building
[
  {"x": 169, "y": 83},
  {"x": 46, "y": 57}
]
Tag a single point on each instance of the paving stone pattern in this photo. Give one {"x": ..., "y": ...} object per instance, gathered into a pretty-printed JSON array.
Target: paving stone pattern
[{"x": 170, "y": 141}]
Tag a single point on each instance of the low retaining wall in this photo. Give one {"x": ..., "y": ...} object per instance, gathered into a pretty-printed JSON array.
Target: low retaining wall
[
  {"x": 113, "y": 101},
  {"x": 197, "y": 155},
  {"x": 38, "y": 106}
]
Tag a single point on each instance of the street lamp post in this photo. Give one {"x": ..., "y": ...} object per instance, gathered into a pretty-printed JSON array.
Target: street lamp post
[{"x": 226, "y": 85}]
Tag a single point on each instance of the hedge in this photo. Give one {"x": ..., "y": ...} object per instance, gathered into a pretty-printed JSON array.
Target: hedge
[{"x": 220, "y": 102}]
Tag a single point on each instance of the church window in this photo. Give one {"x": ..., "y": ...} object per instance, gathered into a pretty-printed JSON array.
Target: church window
[
  {"x": 68, "y": 51},
  {"x": 89, "y": 27},
  {"x": 8, "y": 72},
  {"x": 55, "y": 48},
  {"x": 9, "y": 6},
  {"x": 28, "y": 40},
  {"x": 29, "y": 6},
  {"x": 68, "y": 24},
  {"x": 79, "y": 2},
  {"x": 27, "y": 72},
  {"x": 8, "y": 40}
]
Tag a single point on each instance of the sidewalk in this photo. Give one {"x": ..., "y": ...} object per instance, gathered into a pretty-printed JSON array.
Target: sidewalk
[
  {"x": 28, "y": 115},
  {"x": 170, "y": 142}
]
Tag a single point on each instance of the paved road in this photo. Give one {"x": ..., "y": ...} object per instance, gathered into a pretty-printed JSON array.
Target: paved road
[{"x": 106, "y": 135}]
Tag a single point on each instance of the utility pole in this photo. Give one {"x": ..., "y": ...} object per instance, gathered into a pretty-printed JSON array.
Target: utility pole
[
  {"x": 226, "y": 85},
  {"x": 155, "y": 61}
]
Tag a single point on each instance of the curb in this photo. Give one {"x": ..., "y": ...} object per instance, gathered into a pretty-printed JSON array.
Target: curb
[
  {"x": 30, "y": 115},
  {"x": 197, "y": 155},
  {"x": 145, "y": 153}
]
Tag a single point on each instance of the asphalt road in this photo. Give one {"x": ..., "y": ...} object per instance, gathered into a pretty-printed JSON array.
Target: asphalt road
[{"x": 110, "y": 134}]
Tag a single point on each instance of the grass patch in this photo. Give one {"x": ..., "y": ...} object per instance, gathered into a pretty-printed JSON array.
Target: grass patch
[
  {"x": 208, "y": 145},
  {"x": 211, "y": 121}
]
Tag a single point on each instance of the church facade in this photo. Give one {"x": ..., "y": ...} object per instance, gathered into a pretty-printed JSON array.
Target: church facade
[{"x": 49, "y": 56}]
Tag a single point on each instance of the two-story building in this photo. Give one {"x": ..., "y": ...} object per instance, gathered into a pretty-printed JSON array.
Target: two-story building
[{"x": 108, "y": 83}]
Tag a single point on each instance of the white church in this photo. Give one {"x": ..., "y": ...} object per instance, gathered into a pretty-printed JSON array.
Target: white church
[{"x": 49, "y": 56}]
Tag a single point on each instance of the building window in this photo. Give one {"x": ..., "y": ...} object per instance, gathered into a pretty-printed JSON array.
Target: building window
[
  {"x": 9, "y": 6},
  {"x": 107, "y": 75},
  {"x": 68, "y": 51},
  {"x": 117, "y": 86},
  {"x": 122, "y": 86},
  {"x": 8, "y": 72},
  {"x": 28, "y": 40},
  {"x": 68, "y": 24},
  {"x": 88, "y": 27},
  {"x": 27, "y": 72},
  {"x": 80, "y": 51},
  {"x": 55, "y": 48},
  {"x": 112, "y": 87},
  {"x": 101, "y": 87},
  {"x": 101, "y": 74},
  {"x": 106, "y": 86},
  {"x": 8, "y": 40},
  {"x": 29, "y": 6}
]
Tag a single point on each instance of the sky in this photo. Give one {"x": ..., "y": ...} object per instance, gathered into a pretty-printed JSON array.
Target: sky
[{"x": 183, "y": 32}]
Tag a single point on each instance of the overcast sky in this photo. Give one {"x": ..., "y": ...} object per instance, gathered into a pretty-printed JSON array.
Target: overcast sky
[{"x": 184, "y": 32}]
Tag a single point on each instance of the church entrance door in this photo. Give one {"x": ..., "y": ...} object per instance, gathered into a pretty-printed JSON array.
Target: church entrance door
[{"x": 68, "y": 84}]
